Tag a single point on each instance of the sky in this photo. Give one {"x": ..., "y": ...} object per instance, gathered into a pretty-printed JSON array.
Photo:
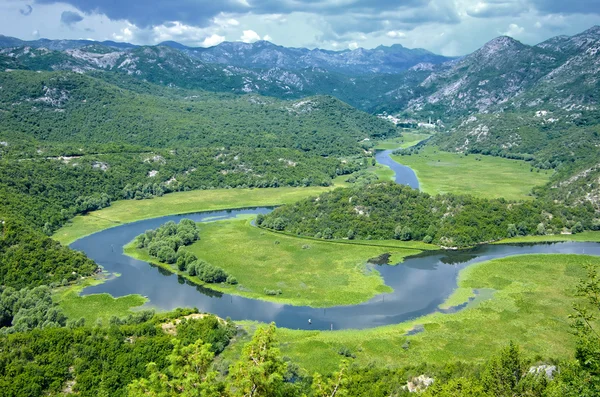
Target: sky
[{"x": 447, "y": 27}]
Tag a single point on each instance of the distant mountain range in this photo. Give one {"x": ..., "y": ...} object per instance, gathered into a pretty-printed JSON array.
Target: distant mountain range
[{"x": 266, "y": 55}]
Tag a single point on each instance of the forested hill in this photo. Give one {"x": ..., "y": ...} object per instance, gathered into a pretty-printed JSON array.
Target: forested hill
[
  {"x": 70, "y": 107},
  {"x": 391, "y": 211}
]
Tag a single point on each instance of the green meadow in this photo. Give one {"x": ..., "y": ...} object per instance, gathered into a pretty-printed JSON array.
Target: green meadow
[
  {"x": 585, "y": 236},
  {"x": 308, "y": 272},
  {"x": 520, "y": 300},
  {"x": 408, "y": 139},
  {"x": 484, "y": 176},
  {"x": 94, "y": 307}
]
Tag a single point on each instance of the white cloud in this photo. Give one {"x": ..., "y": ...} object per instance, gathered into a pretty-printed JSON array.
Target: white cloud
[
  {"x": 514, "y": 30},
  {"x": 213, "y": 40},
  {"x": 250, "y": 36},
  {"x": 223, "y": 22},
  {"x": 35, "y": 34},
  {"x": 125, "y": 34},
  {"x": 353, "y": 45},
  {"x": 267, "y": 38},
  {"x": 392, "y": 34}
]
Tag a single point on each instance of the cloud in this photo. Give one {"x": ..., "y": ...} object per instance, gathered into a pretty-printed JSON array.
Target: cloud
[
  {"x": 353, "y": 45},
  {"x": 393, "y": 34},
  {"x": 36, "y": 34},
  {"x": 497, "y": 8},
  {"x": 514, "y": 30},
  {"x": 249, "y": 36},
  {"x": 201, "y": 13},
  {"x": 213, "y": 40},
  {"x": 70, "y": 18},
  {"x": 567, "y": 6},
  {"x": 267, "y": 38},
  {"x": 27, "y": 10}
]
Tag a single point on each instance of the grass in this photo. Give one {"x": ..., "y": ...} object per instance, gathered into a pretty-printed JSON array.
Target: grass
[
  {"x": 583, "y": 237},
  {"x": 309, "y": 272},
  {"x": 491, "y": 177},
  {"x": 408, "y": 139},
  {"x": 94, "y": 307},
  {"x": 525, "y": 304},
  {"x": 125, "y": 211}
]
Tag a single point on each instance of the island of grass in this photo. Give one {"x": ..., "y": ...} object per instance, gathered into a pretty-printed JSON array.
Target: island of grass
[
  {"x": 484, "y": 176},
  {"x": 305, "y": 272}
]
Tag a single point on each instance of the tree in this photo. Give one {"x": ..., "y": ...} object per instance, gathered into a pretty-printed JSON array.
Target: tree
[
  {"x": 503, "y": 372},
  {"x": 188, "y": 374},
  {"x": 398, "y": 232},
  {"x": 541, "y": 229},
  {"x": 333, "y": 386},
  {"x": 512, "y": 230},
  {"x": 461, "y": 387},
  {"x": 577, "y": 228},
  {"x": 260, "y": 370}
]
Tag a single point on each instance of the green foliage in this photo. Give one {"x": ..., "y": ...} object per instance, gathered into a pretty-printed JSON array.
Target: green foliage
[
  {"x": 28, "y": 258},
  {"x": 388, "y": 210},
  {"x": 93, "y": 111},
  {"x": 167, "y": 243},
  {"x": 104, "y": 360},
  {"x": 27, "y": 309}
]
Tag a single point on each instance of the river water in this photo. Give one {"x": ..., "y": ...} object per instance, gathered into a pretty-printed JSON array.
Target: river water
[{"x": 421, "y": 283}]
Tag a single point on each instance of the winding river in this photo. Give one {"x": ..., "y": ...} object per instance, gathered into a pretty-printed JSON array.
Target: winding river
[{"x": 421, "y": 283}]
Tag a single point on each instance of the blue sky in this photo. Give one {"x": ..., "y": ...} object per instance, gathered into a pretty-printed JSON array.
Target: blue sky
[{"x": 449, "y": 27}]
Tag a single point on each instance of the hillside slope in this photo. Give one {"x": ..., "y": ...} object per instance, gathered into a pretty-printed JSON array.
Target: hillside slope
[{"x": 70, "y": 107}]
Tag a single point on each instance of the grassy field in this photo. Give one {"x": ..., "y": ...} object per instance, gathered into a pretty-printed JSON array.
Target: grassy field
[
  {"x": 490, "y": 177},
  {"x": 94, "y": 307},
  {"x": 585, "y": 236},
  {"x": 525, "y": 305},
  {"x": 408, "y": 139},
  {"x": 308, "y": 271},
  {"x": 126, "y": 211}
]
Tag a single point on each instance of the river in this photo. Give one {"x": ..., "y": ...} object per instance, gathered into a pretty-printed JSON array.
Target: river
[{"x": 421, "y": 283}]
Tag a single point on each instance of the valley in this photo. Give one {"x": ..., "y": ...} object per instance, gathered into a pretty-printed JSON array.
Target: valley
[{"x": 361, "y": 218}]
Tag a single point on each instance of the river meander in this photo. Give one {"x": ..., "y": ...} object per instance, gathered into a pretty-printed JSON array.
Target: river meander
[{"x": 421, "y": 283}]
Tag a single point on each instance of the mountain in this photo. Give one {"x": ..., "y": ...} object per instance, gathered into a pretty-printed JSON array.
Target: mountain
[
  {"x": 265, "y": 55},
  {"x": 58, "y": 45},
  {"x": 73, "y": 107},
  {"x": 168, "y": 66}
]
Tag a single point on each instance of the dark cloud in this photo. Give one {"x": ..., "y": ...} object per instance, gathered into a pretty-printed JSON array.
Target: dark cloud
[
  {"x": 200, "y": 12},
  {"x": 567, "y": 6},
  {"x": 27, "y": 10},
  {"x": 70, "y": 18},
  {"x": 498, "y": 8}
]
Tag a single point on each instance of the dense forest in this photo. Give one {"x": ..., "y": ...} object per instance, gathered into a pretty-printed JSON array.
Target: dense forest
[
  {"x": 69, "y": 107},
  {"x": 386, "y": 210},
  {"x": 52, "y": 186}
]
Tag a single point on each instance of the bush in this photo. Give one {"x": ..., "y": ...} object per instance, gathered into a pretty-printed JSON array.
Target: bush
[{"x": 231, "y": 280}]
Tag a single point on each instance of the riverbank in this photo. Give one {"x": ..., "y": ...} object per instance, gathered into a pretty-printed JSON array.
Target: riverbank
[{"x": 127, "y": 211}]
